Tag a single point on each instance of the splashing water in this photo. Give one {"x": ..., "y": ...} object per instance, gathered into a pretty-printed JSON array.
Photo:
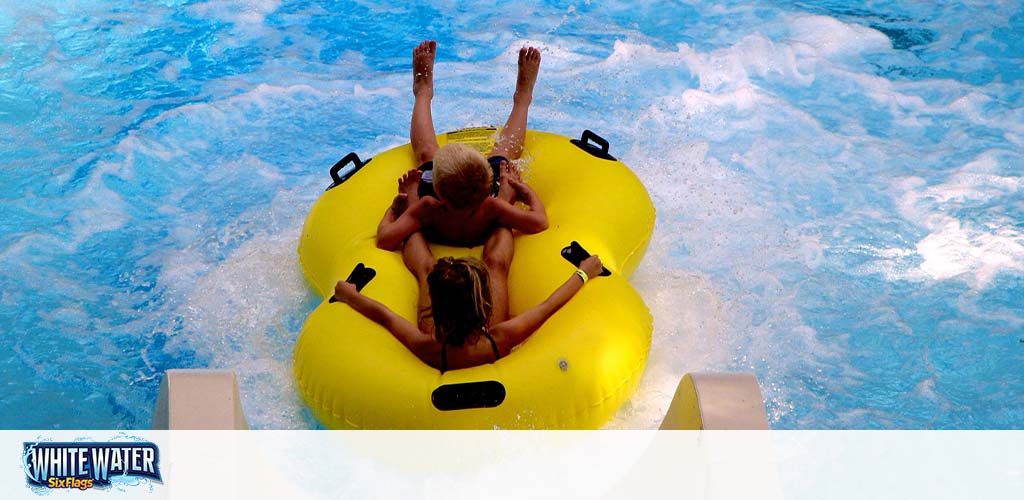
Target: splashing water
[{"x": 838, "y": 186}]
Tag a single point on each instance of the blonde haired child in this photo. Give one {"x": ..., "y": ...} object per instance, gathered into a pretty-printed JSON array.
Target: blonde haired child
[
  {"x": 457, "y": 197},
  {"x": 461, "y": 175}
]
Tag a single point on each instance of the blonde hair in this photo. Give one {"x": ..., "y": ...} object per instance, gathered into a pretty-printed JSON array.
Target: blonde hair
[{"x": 461, "y": 175}]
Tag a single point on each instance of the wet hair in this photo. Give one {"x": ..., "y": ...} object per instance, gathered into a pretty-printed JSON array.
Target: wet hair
[
  {"x": 460, "y": 297},
  {"x": 461, "y": 175}
]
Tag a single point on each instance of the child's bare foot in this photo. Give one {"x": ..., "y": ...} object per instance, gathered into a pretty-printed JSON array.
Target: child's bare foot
[
  {"x": 408, "y": 191},
  {"x": 529, "y": 66},
  {"x": 509, "y": 173},
  {"x": 423, "y": 69}
]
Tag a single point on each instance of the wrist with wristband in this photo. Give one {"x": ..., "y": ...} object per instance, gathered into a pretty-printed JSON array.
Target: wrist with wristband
[{"x": 583, "y": 275}]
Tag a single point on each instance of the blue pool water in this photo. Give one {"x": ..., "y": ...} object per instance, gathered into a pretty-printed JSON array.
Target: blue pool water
[{"x": 839, "y": 186}]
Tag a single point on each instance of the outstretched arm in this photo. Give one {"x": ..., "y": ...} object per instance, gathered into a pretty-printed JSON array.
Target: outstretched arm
[
  {"x": 509, "y": 334},
  {"x": 529, "y": 221},
  {"x": 408, "y": 334}
]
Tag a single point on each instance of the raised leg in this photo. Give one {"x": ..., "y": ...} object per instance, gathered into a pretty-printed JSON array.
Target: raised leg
[
  {"x": 417, "y": 257},
  {"x": 421, "y": 132},
  {"x": 510, "y": 141},
  {"x": 498, "y": 253}
]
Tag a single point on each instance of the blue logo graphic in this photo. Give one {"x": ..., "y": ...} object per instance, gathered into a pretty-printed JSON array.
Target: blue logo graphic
[{"x": 84, "y": 465}]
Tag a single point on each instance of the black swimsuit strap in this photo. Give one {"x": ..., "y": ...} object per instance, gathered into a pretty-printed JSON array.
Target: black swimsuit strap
[
  {"x": 494, "y": 346},
  {"x": 444, "y": 355},
  {"x": 444, "y": 350}
]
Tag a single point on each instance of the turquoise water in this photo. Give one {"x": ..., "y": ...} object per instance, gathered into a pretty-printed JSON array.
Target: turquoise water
[{"x": 839, "y": 186}]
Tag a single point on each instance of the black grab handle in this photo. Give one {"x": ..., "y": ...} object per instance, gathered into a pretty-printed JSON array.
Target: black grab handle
[
  {"x": 352, "y": 158},
  {"x": 359, "y": 277},
  {"x": 593, "y": 144},
  {"x": 576, "y": 254}
]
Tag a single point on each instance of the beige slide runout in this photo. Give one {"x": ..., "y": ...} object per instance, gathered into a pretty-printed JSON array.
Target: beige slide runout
[
  {"x": 717, "y": 401},
  {"x": 199, "y": 400}
]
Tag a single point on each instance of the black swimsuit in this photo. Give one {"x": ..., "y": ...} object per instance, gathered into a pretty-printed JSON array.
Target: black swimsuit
[{"x": 444, "y": 350}]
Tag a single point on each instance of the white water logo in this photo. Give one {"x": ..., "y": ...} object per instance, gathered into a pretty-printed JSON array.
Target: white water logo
[{"x": 83, "y": 465}]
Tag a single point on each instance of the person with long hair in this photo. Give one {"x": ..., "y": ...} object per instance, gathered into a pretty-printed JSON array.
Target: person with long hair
[{"x": 463, "y": 311}]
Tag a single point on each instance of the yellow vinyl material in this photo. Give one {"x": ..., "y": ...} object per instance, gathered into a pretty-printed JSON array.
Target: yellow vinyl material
[{"x": 572, "y": 373}]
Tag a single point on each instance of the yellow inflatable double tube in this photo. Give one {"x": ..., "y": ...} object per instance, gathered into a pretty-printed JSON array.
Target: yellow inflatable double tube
[{"x": 572, "y": 373}]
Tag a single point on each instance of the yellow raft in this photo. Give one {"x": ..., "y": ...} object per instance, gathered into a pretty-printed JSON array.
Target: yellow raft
[{"x": 572, "y": 373}]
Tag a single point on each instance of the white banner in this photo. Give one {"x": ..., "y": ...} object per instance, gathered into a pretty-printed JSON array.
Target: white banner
[{"x": 545, "y": 464}]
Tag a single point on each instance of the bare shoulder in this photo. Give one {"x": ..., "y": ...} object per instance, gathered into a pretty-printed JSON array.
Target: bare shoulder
[
  {"x": 508, "y": 333},
  {"x": 494, "y": 207},
  {"x": 428, "y": 350},
  {"x": 500, "y": 330},
  {"x": 424, "y": 208}
]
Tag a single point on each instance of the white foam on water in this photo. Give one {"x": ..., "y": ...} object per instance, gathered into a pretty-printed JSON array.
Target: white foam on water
[
  {"x": 832, "y": 38},
  {"x": 954, "y": 247},
  {"x": 690, "y": 335},
  {"x": 248, "y": 12},
  {"x": 720, "y": 214},
  {"x": 263, "y": 103},
  {"x": 240, "y": 315},
  {"x": 952, "y": 251},
  {"x": 247, "y": 21},
  {"x": 99, "y": 208},
  {"x": 697, "y": 326},
  {"x": 229, "y": 291},
  {"x": 725, "y": 76},
  {"x": 814, "y": 43}
]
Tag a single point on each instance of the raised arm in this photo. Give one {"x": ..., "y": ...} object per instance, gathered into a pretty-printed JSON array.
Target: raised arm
[
  {"x": 408, "y": 334},
  {"x": 529, "y": 221},
  {"x": 510, "y": 333}
]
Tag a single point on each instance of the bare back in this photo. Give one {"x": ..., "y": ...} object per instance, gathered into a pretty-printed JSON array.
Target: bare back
[{"x": 466, "y": 227}]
